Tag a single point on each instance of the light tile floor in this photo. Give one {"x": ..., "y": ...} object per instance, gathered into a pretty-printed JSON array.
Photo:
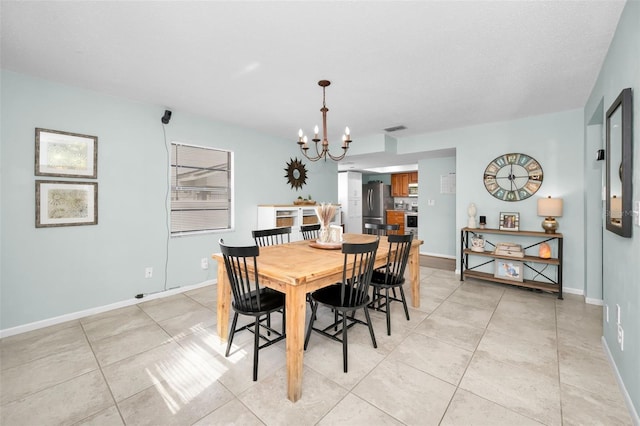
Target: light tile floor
[{"x": 474, "y": 353}]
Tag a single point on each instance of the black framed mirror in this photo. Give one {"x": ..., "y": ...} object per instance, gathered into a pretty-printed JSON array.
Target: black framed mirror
[
  {"x": 619, "y": 172},
  {"x": 296, "y": 173}
]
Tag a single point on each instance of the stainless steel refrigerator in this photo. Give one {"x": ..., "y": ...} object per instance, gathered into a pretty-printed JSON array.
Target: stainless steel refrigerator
[{"x": 376, "y": 200}]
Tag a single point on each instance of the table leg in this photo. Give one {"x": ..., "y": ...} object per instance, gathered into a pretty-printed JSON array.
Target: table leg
[
  {"x": 296, "y": 319},
  {"x": 414, "y": 276},
  {"x": 224, "y": 301}
]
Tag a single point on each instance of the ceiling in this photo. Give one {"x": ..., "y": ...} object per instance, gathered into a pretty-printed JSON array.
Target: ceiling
[{"x": 426, "y": 65}]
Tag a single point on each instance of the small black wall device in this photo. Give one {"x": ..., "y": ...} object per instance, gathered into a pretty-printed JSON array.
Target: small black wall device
[{"x": 166, "y": 117}]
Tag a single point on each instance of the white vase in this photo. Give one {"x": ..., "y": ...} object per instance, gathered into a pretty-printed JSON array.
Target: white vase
[{"x": 471, "y": 211}]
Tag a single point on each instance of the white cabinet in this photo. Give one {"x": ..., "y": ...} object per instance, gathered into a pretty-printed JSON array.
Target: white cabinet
[
  {"x": 350, "y": 197},
  {"x": 275, "y": 216}
]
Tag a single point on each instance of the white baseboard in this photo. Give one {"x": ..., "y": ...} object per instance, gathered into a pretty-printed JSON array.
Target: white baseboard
[
  {"x": 99, "y": 309},
  {"x": 570, "y": 290},
  {"x": 592, "y": 301},
  {"x": 627, "y": 398}
]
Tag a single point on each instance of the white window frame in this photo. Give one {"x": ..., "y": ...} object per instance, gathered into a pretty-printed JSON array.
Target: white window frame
[{"x": 173, "y": 187}]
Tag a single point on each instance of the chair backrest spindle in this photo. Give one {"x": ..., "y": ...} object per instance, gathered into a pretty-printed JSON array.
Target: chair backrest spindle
[
  {"x": 381, "y": 229},
  {"x": 359, "y": 260},
  {"x": 273, "y": 236}
]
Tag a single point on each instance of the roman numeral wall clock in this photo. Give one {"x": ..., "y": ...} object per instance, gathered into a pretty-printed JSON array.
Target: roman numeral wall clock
[{"x": 513, "y": 177}]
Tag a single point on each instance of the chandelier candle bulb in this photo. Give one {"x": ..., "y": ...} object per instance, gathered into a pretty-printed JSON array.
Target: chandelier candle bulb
[{"x": 315, "y": 131}]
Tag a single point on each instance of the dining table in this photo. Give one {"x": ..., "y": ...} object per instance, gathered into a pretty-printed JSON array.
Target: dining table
[{"x": 298, "y": 268}]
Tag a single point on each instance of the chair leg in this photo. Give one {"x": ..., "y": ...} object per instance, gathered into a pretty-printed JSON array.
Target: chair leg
[
  {"x": 256, "y": 344},
  {"x": 232, "y": 331},
  {"x": 373, "y": 337},
  {"x": 314, "y": 308},
  {"x": 404, "y": 302},
  {"x": 344, "y": 341},
  {"x": 269, "y": 324},
  {"x": 388, "y": 311}
]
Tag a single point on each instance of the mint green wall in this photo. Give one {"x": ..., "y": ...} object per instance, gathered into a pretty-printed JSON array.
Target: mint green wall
[
  {"x": 436, "y": 224},
  {"x": 621, "y": 269},
  {"x": 555, "y": 140},
  {"x": 385, "y": 178},
  {"x": 50, "y": 272}
]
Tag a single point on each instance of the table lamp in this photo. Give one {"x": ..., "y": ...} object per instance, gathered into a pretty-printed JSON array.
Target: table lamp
[{"x": 550, "y": 208}]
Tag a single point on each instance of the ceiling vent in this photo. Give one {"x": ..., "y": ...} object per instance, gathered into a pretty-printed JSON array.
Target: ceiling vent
[{"x": 394, "y": 128}]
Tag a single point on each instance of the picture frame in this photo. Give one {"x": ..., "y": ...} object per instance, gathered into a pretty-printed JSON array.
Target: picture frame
[
  {"x": 511, "y": 270},
  {"x": 66, "y": 203},
  {"x": 65, "y": 154},
  {"x": 509, "y": 221}
]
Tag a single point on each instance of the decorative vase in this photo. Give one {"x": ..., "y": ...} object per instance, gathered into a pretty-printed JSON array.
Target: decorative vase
[
  {"x": 477, "y": 243},
  {"x": 471, "y": 211},
  {"x": 324, "y": 236}
]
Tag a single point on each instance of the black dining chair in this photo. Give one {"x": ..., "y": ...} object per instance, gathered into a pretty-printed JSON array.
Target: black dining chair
[
  {"x": 310, "y": 232},
  {"x": 273, "y": 236},
  {"x": 381, "y": 229},
  {"x": 391, "y": 276},
  {"x": 347, "y": 296},
  {"x": 250, "y": 299}
]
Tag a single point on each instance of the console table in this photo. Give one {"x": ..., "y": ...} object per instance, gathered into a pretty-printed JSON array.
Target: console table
[{"x": 553, "y": 284}]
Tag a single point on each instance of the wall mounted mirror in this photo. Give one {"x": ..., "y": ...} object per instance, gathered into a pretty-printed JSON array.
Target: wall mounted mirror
[{"x": 619, "y": 164}]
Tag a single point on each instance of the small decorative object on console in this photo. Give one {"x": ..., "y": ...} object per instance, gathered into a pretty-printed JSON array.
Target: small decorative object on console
[
  {"x": 471, "y": 211},
  {"x": 544, "y": 251},
  {"x": 508, "y": 270},
  {"x": 477, "y": 243},
  {"x": 483, "y": 222},
  {"x": 509, "y": 249},
  {"x": 509, "y": 221}
]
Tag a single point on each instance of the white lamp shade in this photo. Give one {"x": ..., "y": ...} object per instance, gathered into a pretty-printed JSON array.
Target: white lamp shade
[{"x": 550, "y": 207}]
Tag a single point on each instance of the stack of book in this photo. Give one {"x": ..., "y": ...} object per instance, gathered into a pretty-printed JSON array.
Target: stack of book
[{"x": 509, "y": 249}]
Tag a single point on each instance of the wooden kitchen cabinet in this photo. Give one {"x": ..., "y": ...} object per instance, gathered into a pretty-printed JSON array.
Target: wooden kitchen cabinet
[
  {"x": 400, "y": 185},
  {"x": 396, "y": 218},
  {"x": 413, "y": 177}
]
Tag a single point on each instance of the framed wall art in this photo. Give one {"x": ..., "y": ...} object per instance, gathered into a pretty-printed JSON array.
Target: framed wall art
[
  {"x": 509, "y": 270},
  {"x": 509, "y": 221},
  {"x": 66, "y": 203},
  {"x": 64, "y": 154}
]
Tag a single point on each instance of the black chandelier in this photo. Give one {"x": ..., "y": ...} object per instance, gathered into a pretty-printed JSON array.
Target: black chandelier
[{"x": 324, "y": 153}]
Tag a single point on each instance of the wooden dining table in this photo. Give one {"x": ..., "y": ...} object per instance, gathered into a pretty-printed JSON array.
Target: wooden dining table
[{"x": 296, "y": 269}]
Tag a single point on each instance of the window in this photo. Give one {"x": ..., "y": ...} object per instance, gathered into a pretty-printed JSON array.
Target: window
[{"x": 200, "y": 189}]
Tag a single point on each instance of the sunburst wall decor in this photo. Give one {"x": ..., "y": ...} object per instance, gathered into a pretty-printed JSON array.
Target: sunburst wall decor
[{"x": 296, "y": 173}]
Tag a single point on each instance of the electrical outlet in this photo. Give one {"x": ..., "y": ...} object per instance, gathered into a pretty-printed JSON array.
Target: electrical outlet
[
  {"x": 148, "y": 272},
  {"x": 204, "y": 263}
]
